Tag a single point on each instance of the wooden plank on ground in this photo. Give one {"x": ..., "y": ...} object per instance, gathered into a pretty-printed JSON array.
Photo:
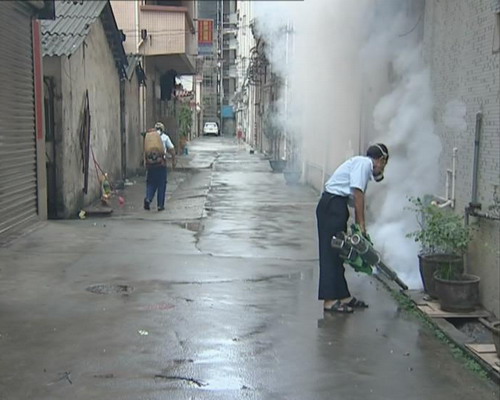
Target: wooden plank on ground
[
  {"x": 487, "y": 353},
  {"x": 432, "y": 309}
]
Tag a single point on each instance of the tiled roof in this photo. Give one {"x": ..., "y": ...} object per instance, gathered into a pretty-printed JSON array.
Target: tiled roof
[{"x": 66, "y": 33}]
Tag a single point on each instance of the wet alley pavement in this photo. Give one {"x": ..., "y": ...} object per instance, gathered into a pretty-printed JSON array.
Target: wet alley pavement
[{"x": 214, "y": 298}]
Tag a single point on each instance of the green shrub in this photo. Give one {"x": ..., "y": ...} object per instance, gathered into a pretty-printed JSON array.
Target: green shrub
[{"x": 441, "y": 231}]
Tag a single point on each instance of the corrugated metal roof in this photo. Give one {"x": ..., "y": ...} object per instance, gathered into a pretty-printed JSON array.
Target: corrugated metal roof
[{"x": 66, "y": 33}]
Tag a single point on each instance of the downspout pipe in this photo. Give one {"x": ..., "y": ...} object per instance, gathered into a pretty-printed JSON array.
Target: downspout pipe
[
  {"x": 473, "y": 209},
  {"x": 474, "y": 206},
  {"x": 477, "y": 140}
]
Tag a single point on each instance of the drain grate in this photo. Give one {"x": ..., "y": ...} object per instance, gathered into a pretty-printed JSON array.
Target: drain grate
[{"x": 110, "y": 289}]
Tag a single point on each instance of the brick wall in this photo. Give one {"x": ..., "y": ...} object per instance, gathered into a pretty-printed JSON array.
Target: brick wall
[{"x": 459, "y": 46}]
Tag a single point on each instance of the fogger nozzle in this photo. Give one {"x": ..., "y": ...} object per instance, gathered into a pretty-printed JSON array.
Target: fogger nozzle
[{"x": 350, "y": 245}]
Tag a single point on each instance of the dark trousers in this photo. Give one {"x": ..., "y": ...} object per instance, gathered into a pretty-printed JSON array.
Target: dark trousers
[
  {"x": 156, "y": 180},
  {"x": 332, "y": 215}
]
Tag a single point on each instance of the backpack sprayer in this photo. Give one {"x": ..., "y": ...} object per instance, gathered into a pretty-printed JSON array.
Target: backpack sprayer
[{"x": 358, "y": 252}]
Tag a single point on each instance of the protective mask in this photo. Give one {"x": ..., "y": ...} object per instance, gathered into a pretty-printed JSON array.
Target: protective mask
[{"x": 379, "y": 177}]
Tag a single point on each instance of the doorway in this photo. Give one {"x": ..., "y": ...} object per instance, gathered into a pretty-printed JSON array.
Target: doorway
[{"x": 50, "y": 147}]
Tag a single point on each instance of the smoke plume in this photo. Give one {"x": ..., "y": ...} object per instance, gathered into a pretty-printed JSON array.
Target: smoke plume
[{"x": 356, "y": 76}]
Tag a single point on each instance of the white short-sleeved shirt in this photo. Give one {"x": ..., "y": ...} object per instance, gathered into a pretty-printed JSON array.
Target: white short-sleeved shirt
[
  {"x": 352, "y": 174},
  {"x": 167, "y": 143}
]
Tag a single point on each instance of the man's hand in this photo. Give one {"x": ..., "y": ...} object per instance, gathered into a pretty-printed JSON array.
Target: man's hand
[{"x": 367, "y": 237}]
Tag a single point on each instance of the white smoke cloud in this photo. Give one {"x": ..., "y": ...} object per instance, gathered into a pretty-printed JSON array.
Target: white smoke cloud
[
  {"x": 402, "y": 119},
  {"x": 405, "y": 119},
  {"x": 341, "y": 49},
  {"x": 454, "y": 115}
]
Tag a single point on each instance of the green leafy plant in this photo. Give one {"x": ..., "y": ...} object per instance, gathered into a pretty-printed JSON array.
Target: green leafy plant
[
  {"x": 185, "y": 121},
  {"x": 273, "y": 130},
  {"x": 441, "y": 231}
]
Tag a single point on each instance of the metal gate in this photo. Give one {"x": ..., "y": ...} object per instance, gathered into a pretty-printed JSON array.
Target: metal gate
[{"x": 18, "y": 185}]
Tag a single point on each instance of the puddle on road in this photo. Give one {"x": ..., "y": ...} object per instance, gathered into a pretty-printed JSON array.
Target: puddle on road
[
  {"x": 190, "y": 226},
  {"x": 105, "y": 376},
  {"x": 181, "y": 379},
  {"x": 109, "y": 289}
]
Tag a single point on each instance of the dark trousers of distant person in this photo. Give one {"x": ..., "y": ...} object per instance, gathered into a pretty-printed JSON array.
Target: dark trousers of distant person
[
  {"x": 156, "y": 180},
  {"x": 332, "y": 215}
]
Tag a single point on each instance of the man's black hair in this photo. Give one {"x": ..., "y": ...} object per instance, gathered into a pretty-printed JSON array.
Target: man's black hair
[{"x": 378, "y": 150}]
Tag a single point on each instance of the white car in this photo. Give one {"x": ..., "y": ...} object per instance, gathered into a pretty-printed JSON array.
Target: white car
[{"x": 210, "y": 128}]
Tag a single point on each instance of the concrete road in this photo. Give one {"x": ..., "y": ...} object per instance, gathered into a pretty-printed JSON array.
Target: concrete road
[{"x": 214, "y": 298}]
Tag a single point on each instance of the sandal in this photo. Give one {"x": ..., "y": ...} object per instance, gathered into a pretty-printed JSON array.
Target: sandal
[
  {"x": 339, "y": 307},
  {"x": 355, "y": 303}
]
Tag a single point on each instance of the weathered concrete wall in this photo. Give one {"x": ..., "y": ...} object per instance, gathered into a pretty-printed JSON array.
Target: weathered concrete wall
[
  {"x": 52, "y": 69},
  {"x": 132, "y": 126},
  {"x": 91, "y": 67},
  {"x": 459, "y": 46}
]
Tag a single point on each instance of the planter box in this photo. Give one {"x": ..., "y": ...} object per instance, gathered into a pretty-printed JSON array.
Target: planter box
[
  {"x": 429, "y": 264},
  {"x": 458, "y": 295},
  {"x": 292, "y": 177},
  {"x": 277, "y": 165},
  {"x": 494, "y": 327}
]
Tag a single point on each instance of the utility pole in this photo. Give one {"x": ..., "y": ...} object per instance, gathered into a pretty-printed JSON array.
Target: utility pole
[{"x": 220, "y": 54}]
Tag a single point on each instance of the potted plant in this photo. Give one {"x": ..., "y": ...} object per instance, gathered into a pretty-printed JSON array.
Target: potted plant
[
  {"x": 293, "y": 170},
  {"x": 185, "y": 124},
  {"x": 273, "y": 132},
  {"x": 444, "y": 239}
]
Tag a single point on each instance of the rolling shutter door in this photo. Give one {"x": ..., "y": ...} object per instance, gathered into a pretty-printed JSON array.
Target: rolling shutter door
[{"x": 18, "y": 185}]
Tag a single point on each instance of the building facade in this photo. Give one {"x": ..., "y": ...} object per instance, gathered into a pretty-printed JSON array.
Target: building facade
[
  {"x": 163, "y": 34},
  {"x": 229, "y": 46},
  {"x": 464, "y": 57},
  {"x": 208, "y": 69},
  {"x": 84, "y": 80},
  {"x": 245, "y": 93}
]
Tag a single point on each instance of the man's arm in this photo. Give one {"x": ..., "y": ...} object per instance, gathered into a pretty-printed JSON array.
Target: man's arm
[{"x": 359, "y": 208}]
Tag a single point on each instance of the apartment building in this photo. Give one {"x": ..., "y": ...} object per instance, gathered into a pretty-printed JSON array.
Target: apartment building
[
  {"x": 163, "y": 34},
  {"x": 245, "y": 93},
  {"x": 208, "y": 65},
  {"x": 228, "y": 63}
]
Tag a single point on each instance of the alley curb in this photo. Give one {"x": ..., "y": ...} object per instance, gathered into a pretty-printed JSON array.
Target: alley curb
[{"x": 445, "y": 332}]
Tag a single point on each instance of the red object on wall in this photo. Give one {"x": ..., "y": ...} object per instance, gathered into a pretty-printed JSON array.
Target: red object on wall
[
  {"x": 205, "y": 31},
  {"x": 38, "y": 79}
]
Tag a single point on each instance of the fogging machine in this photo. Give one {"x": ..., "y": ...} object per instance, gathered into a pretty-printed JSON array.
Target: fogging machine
[{"x": 354, "y": 245}]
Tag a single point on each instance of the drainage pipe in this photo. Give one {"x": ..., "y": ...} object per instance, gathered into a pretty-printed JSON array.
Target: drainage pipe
[
  {"x": 474, "y": 206},
  {"x": 475, "y": 165},
  {"x": 453, "y": 175},
  {"x": 485, "y": 215},
  {"x": 451, "y": 178}
]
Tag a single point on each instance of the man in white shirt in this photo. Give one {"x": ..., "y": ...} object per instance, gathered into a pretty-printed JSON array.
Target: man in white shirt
[
  {"x": 348, "y": 182},
  {"x": 156, "y": 178}
]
